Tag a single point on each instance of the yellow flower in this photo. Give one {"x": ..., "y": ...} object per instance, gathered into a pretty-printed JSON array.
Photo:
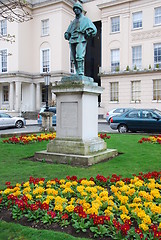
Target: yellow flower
[
  {"x": 58, "y": 208},
  {"x": 17, "y": 193},
  {"x": 141, "y": 214},
  {"x": 41, "y": 183},
  {"x": 144, "y": 227},
  {"x": 67, "y": 190},
  {"x": 159, "y": 225},
  {"x": 123, "y": 199},
  {"x": 147, "y": 220},
  {"x": 114, "y": 189},
  {"x": 70, "y": 208},
  {"x": 29, "y": 196},
  {"x": 124, "y": 209},
  {"x": 124, "y": 217},
  {"x": 74, "y": 183},
  {"x": 39, "y": 196},
  {"x": 108, "y": 212},
  {"x": 8, "y": 191},
  {"x": 62, "y": 181},
  {"x": 137, "y": 200},
  {"x": 26, "y": 190},
  {"x": 155, "y": 193}
]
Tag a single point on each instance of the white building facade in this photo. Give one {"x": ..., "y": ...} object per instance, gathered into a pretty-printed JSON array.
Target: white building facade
[{"x": 130, "y": 70}]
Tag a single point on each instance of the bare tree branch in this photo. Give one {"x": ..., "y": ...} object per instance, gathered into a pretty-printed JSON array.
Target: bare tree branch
[
  {"x": 8, "y": 38},
  {"x": 14, "y": 10}
]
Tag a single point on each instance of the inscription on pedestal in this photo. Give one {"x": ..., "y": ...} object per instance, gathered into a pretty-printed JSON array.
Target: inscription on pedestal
[{"x": 69, "y": 114}]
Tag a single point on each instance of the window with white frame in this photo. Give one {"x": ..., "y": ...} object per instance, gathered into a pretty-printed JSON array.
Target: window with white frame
[
  {"x": 136, "y": 57},
  {"x": 115, "y": 24},
  {"x": 157, "y": 15},
  {"x": 3, "y": 57},
  {"x": 114, "y": 91},
  {"x": 136, "y": 91},
  {"x": 157, "y": 55},
  {"x": 157, "y": 89},
  {"x": 45, "y": 27},
  {"x": 45, "y": 60},
  {"x": 3, "y": 26},
  {"x": 5, "y": 94},
  {"x": 137, "y": 20},
  {"x": 115, "y": 60}
]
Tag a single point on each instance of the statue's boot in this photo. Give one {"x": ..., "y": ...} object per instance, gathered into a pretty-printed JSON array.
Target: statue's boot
[{"x": 80, "y": 67}]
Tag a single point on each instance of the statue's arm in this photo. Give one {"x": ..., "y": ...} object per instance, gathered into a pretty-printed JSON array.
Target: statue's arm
[{"x": 67, "y": 35}]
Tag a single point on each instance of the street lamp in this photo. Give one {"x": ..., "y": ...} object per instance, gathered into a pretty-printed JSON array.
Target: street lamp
[{"x": 47, "y": 83}]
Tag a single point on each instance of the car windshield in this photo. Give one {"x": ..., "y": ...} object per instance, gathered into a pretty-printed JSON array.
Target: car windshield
[{"x": 158, "y": 112}]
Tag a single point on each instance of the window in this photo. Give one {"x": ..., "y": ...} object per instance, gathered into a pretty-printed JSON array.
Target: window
[
  {"x": 136, "y": 57},
  {"x": 45, "y": 60},
  {"x": 157, "y": 90},
  {"x": 45, "y": 27},
  {"x": 157, "y": 15},
  {"x": 115, "y": 60},
  {"x": 114, "y": 94},
  {"x": 136, "y": 91},
  {"x": 134, "y": 114},
  {"x": 115, "y": 24},
  {"x": 3, "y": 56},
  {"x": 157, "y": 55},
  {"x": 3, "y": 25},
  {"x": 137, "y": 20},
  {"x": 5, "y": 94}
]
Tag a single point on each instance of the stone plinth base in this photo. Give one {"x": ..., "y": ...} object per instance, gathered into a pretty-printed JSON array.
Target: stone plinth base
[
  {"x": 47, "y": 122},
  {"x": 67, "y": 146},
  {"x": 77, "y": 141},
  {"x": 76, "y": 160}
]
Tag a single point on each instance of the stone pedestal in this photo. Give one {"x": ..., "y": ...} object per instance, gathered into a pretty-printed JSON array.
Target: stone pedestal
[
  {"x": 77, "y": 139},
  {"x": 47, "y": 122}
]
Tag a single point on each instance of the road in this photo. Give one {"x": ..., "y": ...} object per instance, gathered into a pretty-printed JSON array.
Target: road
[{"x": 102, "y": 127}]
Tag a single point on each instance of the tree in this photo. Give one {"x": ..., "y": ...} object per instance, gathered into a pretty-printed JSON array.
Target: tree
[{"x": 13, "y": 10}]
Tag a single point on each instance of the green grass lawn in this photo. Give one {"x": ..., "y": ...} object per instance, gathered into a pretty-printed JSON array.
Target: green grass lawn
[{"x": 135, "y": 158}]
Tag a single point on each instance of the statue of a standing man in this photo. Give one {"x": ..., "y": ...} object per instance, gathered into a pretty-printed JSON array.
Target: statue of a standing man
[{"x": 80, "y": 29}]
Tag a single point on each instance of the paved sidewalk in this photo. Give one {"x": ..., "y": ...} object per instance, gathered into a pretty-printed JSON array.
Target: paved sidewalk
[{"x": 34, "y": 122}]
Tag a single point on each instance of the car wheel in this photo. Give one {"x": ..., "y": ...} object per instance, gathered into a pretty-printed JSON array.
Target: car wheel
[
  {"x": 19, "y": 124},
  {"x": 122, "y": 128}
]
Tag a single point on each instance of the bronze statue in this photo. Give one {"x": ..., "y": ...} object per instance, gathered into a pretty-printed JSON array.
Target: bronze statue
[{"x": 80, "y": 29}]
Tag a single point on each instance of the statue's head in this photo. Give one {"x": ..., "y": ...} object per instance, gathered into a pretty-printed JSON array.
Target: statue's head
[{"x": 77, "y": 5}]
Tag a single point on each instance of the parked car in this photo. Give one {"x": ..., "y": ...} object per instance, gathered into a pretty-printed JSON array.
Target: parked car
[
  {"x": 7, "y": 121},
  {"x": 51, "y": 109},
  {"x": 114, "y": 112},
  {"x": 147, "y": 120}
]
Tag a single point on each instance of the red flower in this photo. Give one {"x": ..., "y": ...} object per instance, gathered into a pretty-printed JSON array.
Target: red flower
[
  {"x": 65, "y": 216},
  {"x": 8, "y": 183},
  {"x": 52, "y": 214}
]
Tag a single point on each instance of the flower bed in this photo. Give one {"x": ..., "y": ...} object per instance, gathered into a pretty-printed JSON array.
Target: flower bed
[
  {"x": 25, "y": 139},
  {"x": 151, "y": 139},
  {"x": 116, "y": 207}
]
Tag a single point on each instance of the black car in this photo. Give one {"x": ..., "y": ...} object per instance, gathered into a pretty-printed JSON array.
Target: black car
[{"x": 147, "y": 120}]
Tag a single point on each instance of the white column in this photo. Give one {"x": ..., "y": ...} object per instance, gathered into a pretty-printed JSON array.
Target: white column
[
  {"x": 53, "y": 95},
  {"x": 18, "y": 96},
  {"x": 11, "y": 96},
  {"x": 38, "y": 97},
  {"x": 32, "y": 96},
  {"x": 105, "y": 45}
]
